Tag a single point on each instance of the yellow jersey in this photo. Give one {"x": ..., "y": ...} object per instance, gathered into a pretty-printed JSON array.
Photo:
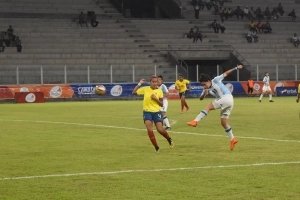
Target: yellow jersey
[
  {"x": 149, "y": 104},
  {"x": 299, "y": 88},
  {"x": 181, "y": 85}
]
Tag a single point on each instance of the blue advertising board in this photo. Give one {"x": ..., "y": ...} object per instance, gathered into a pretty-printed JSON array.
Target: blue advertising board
[
  {"x": 286, "y": 91},
  {"x": 125, "y": 89}
]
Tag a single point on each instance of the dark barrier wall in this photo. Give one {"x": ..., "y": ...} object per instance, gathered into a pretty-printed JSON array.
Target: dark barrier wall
[{"x": 169, "y": 7}]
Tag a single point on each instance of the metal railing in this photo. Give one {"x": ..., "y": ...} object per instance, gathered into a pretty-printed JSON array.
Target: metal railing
[
  {"x": 178, "y": 60},
  {"x": 114, "y": 74}
]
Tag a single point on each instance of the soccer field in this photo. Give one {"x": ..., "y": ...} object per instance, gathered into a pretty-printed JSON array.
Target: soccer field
[{"x": 100, "y": 150}]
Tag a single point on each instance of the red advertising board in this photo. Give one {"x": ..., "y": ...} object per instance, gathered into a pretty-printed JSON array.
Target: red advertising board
[
  {"x": 29, "y": 97},
  {"x": 49, "y": 91}
]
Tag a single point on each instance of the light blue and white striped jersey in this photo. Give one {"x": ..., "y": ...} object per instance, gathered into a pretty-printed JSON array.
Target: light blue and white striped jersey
[
  {"x": 266, "y": 81},
  {"x": 164, "y": 89},
  {"x": 218, "y": 89}
]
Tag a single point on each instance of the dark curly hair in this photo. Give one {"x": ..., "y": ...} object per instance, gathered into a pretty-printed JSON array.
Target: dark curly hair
[
  {"x": 160, "y": 76},
  {"x": 204, "y": 78}
]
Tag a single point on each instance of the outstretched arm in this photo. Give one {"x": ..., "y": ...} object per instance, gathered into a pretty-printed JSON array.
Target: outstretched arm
[
  {"x": 231, "y": 70},
  {"x": 138, "y": 86}
]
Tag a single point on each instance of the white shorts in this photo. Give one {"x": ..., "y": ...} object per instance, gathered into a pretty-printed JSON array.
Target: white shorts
[
  {"x": 165, "y": 106},
  {"x": 225, "y": 104},
  {"x": 266, "y": 88}
]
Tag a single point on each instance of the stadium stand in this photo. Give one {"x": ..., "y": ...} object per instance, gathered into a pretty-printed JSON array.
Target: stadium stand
[{"x": 52, "y": 38}]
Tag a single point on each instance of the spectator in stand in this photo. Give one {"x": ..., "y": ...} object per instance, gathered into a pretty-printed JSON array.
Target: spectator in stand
[
  {"x": 18, "y": 44},
  {"x": 259, "y": 14},
  {"x": 94, "y": 21},
  {"x": 293, "y": 15},
  {"x": 6, "y": 39},
  {"x": 2, "y": 47},
  {"x": 197, "y": 11},
  {"x": 247, "y": 13},
  {"x": 260, "y": 27},
  {"x": 225, "y": 13},
  {"x": 239, "y": 12},
  {"x": 197, "y": 35},
  {"x": 274, "y": 14},
  {"x": 191, "y": 34},
  {"x": 222, "y": 26},
  {"x": 82, "y": 20},
  {"x": 267, "y": 27},
  {"x": 253, "y": 26},
  {"x": 254, "y": 36},
  {"x": 215, "y": 26},
  {"x": 10, "y": 32},
  {"x": 202, "y": 4},
  {"x": 295, "y": 40},
  {"x": 280, "y": 9},
  {"x": 249, "y": 36},
  {"x": 268, "y": 13},
  {"x": 253, "y": 13},
  {"x": 218, "y": 10}
]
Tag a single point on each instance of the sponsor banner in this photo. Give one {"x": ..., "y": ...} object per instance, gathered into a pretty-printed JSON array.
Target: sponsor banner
[
  {"x": 125, "y": 90},
  {"x": 102, "y": 90},
  {"x": 29, "y": 97},
  {"x": 49, "y": 91},
  {"x": 287, "y": 91}
]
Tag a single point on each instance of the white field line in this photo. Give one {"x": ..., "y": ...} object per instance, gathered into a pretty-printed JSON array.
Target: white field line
[
  {"x": 149, "y": 170},
  {"x": 139, "y": 129}
]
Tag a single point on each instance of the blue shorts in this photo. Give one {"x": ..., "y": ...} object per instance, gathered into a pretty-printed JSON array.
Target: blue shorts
[
  {"x": 152, "y": 116},
  {"x": 182, "y": 94}
]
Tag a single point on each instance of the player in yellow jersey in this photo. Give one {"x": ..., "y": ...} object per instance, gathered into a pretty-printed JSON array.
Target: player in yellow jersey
[
  {"x": 298, "y": 94},
  {"x": 181, "y": 85},
  {"x": 153, "y": 100}
]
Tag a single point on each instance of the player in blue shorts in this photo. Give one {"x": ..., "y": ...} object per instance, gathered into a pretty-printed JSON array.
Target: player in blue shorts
[
  {"x": 153, "y": 100},
  {"x": 223, "y": 101}
]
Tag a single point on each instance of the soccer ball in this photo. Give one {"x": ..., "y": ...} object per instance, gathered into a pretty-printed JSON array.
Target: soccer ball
[{"x": 100, "y": 90}]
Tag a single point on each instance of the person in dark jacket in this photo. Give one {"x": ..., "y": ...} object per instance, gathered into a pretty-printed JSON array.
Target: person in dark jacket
[
  {"x": 82, "y": 20},
  {"x": 18, "y": 44},
  {"x": 198, "y": 35},
  {"x": 191, "y": 34},
  {"x": 215, "y": 26},
  {"x": 94, "y": 21},
  {"x": 293, "y": 15}
]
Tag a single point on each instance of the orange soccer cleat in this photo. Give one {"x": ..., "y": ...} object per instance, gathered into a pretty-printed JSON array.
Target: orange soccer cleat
[
  {"x": 192, "y": 123},
  {"x": 232, "y": 143}
]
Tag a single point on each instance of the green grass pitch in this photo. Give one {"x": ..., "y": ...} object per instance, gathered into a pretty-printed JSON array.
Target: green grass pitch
[{"x": 100, "y": 150}]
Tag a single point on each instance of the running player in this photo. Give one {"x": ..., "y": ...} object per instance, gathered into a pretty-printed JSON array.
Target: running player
[
  {"x": 165, "y": 102},
  {"x": 181, "y": 85},
  {"x": 153, "y": 100},
  {"x": 223, "y": 101},
  {"x": 266, "y": 88}
]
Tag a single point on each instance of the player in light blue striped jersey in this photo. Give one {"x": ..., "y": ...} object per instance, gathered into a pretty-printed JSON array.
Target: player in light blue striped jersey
[
  {"x": 163, "y": 109},
  {"x": 223, "y": 101},
  {"x": 266, "y": 88}
]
